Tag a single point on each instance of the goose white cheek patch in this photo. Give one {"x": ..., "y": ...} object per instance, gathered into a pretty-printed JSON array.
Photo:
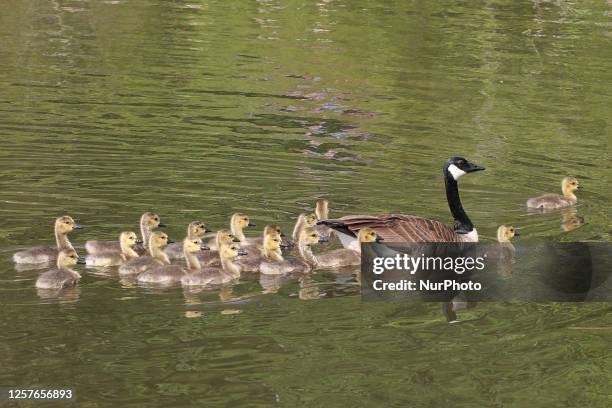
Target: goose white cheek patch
[{"x": 455, "y": 171}]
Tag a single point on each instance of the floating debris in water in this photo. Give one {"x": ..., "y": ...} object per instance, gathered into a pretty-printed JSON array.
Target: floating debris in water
[
  {"x": 231, "y": 311},
  {"x": 191, "y": 314}
]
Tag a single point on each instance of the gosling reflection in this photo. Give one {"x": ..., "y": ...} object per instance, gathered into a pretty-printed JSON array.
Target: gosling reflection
[{"x": 570, "y": 220}]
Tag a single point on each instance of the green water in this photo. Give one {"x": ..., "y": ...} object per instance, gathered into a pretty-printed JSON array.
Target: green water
[{"x": 196, "y": 110}]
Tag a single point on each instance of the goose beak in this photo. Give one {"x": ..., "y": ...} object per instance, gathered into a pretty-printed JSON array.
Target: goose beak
[
  {"x": 242, "y": 252},
  {"x": 517, "y": 234},
  {"x": 205, "y": 248},
  {"x": 471, "y": 167},
  {"x": 207, "y": 230},
  {"x": 323, "y": 239},
  {"x": 579, "y": 186},
  {"x": 251, "y": 224},
  {"x": 81, "y": 260},
  {"x": 161, "y": 225},
  {"x": 77, "y": 226},
  {"x": 282, "y": 234},
  {"x": 236, "y": 240},
  {"x": 139, "y": 241},
  {"x": 379, "y": 239},
  {"x": 171, "y": 241}
]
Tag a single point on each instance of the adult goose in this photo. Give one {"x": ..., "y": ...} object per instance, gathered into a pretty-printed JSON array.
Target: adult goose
[{"x": 409, "y": 228}]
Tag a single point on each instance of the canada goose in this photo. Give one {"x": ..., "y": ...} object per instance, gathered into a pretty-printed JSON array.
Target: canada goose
[
  {"x": 257, "y": 255},
  {"x": 127, "y": 240},
  {"x": 322, "y": 213},
  {"x": 43, "y": 254},
  {"x": 227, "y": 272},
  {"x": 63, "y": 276},
  {"x": 274, "y": 263},
  {"x": 157, "y": 241},
  {"x": 195, "y": 229},
  {"x": 148, "y": 222},
  {"x": 303, "y": 221},
  {"x": 346, "y": 257},
  {"x": 211, "y": 257},
  {"x": 408, "y": 228},
  {"x": 173, "y": 273},
  {"x": 238, "y": 222},
  {"x": 554, "y": 201}
]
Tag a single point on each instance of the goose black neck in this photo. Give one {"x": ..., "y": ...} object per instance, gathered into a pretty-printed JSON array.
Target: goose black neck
[{"x": 454, "y": 203}]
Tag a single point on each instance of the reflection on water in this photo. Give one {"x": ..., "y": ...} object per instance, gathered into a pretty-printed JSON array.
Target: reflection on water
[{"x": 198, "y": 110}]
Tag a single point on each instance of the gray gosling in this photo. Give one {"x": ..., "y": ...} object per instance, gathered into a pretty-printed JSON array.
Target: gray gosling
[
  {"x": 43, "y": 254},
  {"x": 127, "y": 240},
  {"x": 554, "y": 201},
  {"x": 63, "y": 276},
  {"x": 155, "y": 257}
]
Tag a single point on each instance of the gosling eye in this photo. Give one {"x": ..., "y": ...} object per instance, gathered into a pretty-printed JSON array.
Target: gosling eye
[
  {"x": 67, "y": 222},
  {"x": 155, "y": 219}
]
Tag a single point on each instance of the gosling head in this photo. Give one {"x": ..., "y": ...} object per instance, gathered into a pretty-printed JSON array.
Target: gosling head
[
  {"x": 197, "y": 229},
  {"x": 151, "y": 220},
  {"x": 570, "y": 184},
  {"x": 272, "y": 242},
  {"x": 506, "y": 232},
  {"x": 159, "y": 240},
  {"x": 368, "y": 235},
  {"x": 65, "y": 224},
  {"x": 68, "y": 257},
  {"x": 129, "y": 238},
  {"x": 273, "y": 229},
  {"x": 242, "y": 220},
  {"x": 225, "y": 237},
  {"x": 192, "y": 245},
  {"x": 310, "y": 236},
  {"x": 231, "y": 251},
  {"x": 459, "y": 166},
  {"x": 309, "y": 220}
]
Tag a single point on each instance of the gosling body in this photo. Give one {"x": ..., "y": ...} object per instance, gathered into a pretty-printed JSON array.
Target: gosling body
[
  {"x": 127, "y": 240},
  {"x": 195, "y": 229},
  {"x": 148, "y": 223},
  {"x": 157, "y": 242}
]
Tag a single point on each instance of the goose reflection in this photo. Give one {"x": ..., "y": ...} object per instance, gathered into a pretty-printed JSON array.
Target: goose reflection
[{"x": 570, "y": 220}]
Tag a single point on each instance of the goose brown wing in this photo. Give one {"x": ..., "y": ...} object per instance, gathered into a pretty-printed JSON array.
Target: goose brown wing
[{"x": 395, "y": 227}]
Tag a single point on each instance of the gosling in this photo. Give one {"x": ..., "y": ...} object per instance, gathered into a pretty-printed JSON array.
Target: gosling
[
  {"x": 148, "y": 222},
  {"x": 167, "y": 274},
  {"x": 275, "y": 264},
  {"x": 322, "y": 213},
  {"x": 227, "y": 272},
  {"x": 256, "y": 256},
  {"x": 211, "y": 257},
  {"x": 195, "y": 229},
  {"x": 303, "y": 221},
  {"x": 345, "y": 257},
  {"x": 44, "y": 254},
  {"x": 63, "y": 276},
  {"x": 156, "y": 256},
  {"x": 127, "y": 240},
  {"x": 238, "y": 222},
  {"x": 554, "y": 201}
]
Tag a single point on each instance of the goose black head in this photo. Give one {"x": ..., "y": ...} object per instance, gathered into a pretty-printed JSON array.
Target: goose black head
[{"x": 458, "y": 166}]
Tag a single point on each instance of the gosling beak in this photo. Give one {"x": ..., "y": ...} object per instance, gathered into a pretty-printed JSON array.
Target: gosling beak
[
  {"x": 206, "y": 230},
  {"x": 139, "y": 241},
  {"x": 517, "y": 234},
  {"x": 205, "y": 247},
  {"x": 242, "y": 252},
  {"x": 579, "y": 186},
  {"x": 282, "y": 234},
  {"x": 170, "y": 241},
  {"x": 323, "y": 239},
  {"x": 77, "y": 226},
  {"x": 251, "y": 224},
  {"x": 161, "y": 225},
  {"x": 236, "y": 240},
  {"x": 285, "y": 246},
  {"x": 81, "y": 260},
  {"x": 471, "y": 167},
  {"x": 379, "y": 239}
]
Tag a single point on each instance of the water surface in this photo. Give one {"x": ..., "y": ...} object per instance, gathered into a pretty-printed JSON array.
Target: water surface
[{"x": 199, "y": 109}]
